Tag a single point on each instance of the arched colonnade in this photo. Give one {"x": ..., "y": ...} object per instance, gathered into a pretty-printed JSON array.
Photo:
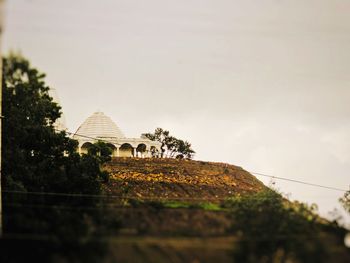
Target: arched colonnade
[{"x": 126, "y": 149}]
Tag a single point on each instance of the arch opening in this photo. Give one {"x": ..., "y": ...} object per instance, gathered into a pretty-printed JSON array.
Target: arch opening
[
  {"x": 113, "y": 148},
  {"x": 126, "y": 150},
  {"x": 85, "y": 147},
  {"x": 141, "y": 150}
]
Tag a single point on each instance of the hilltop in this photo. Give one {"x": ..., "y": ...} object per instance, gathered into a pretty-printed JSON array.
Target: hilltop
[{"x": 178, "y": 179}]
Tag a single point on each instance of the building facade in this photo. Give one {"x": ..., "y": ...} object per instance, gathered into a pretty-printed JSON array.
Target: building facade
[{"x": 99, "y": 127}]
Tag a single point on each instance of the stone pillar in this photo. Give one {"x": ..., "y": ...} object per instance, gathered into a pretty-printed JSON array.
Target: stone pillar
[
  {"x": 118, "y": 152},
  {"x": 134, "y": 151}
]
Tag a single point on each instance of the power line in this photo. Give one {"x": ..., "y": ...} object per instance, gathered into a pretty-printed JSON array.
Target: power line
[
  {"x": 121, "y": 238},
  {"x": 300, "y": 182},
  {"x": 119, "y": 207},
  {"x": 119, "y": 197},
  {"x": 93, "y": 138},
  {"x": 85, "y": 136},
  {"x": 261, "y": 174}
]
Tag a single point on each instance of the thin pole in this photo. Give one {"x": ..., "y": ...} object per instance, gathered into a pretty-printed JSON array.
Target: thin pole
[{"x": 1, "y": 30}]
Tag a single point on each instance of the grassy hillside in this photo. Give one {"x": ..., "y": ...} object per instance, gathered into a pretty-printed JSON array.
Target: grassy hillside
[
  {"x": 193, "y": 211},
  {"x": 166, "y": 210}
]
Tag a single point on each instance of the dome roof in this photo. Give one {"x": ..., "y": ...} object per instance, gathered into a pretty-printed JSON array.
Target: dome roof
[{"x": 98, "y": 125}]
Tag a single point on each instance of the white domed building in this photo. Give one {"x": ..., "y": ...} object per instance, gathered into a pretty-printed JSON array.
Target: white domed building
[{"x": 99, "y": 127}]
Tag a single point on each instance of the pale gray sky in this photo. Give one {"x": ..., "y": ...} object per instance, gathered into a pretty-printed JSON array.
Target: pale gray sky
[{"x": 260, "y": 84}]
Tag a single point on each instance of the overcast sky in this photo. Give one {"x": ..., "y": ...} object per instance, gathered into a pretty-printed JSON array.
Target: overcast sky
[{"x": 260, "y": 84}]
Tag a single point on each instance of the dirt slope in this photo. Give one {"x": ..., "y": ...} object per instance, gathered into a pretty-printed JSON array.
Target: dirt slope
[{"x": 178, "y": 179}]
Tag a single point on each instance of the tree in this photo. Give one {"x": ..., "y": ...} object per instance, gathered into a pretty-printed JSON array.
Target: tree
[
  {"x": 101, "y": 150},
  {"x": 184, "y": 149},
  {"x": 171, "y": 146},
  {"x": 36, "y": 157}
]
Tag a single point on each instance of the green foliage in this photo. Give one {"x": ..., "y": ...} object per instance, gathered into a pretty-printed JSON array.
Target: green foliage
[
  {"x": 210, "y": 207},
  {"x": 101, "y": 151},
  {"x": 171, "y": 146},
  {"x": 271, "y": 229},
  {"x": 35, "y": 156},
  {"x": 175, "y": 204}
]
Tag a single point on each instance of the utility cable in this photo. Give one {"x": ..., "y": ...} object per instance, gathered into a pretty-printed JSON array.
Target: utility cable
[{"x": 300, "y": 182}]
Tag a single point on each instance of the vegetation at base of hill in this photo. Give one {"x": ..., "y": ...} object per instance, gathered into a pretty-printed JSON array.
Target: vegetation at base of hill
[
  {"x": 170, "y": 145},
  {"x": 266, "y": 227},
  {"x": 35, "y": 156},
  {"x": 261, "y": 227},
  {"x": 272, "y": 229}
]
